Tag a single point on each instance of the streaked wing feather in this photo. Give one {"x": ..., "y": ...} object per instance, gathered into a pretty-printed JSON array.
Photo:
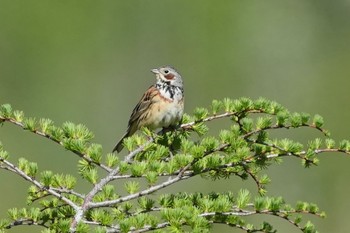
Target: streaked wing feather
[{"x": 143, "y": 105}]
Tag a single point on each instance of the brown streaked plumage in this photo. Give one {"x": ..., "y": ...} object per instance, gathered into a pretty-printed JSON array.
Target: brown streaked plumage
[{"x": 161, "y": 105}]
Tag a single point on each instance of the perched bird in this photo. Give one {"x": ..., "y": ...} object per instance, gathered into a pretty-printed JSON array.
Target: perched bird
[{"x": 161, "y": 105}]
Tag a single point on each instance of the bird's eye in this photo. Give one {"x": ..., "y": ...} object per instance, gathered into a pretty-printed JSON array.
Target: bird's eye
[{"x": 166, "y": 71}]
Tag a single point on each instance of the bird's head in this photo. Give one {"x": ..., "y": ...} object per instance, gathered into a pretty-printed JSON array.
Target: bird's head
[{"x": 168, "y": 75}]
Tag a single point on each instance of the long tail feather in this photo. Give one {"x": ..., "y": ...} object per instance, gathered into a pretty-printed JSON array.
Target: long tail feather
[{"x": 120, "y": 145}]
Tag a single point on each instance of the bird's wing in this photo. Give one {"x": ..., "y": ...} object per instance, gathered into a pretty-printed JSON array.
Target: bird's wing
[{"x": 143, "y": 105}]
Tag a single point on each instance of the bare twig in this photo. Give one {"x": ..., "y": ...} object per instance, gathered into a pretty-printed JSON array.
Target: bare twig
[{"x": 25, "y": 221}]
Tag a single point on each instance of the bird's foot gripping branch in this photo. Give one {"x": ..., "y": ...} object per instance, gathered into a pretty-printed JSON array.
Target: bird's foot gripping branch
[{"x": 123, "y": 191}]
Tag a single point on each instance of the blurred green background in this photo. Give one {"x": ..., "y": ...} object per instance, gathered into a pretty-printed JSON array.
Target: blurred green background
[{"x": 89, "y": 62}]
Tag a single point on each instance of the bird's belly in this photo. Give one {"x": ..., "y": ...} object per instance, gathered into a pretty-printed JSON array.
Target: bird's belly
[{"x": 164, "y": 115}]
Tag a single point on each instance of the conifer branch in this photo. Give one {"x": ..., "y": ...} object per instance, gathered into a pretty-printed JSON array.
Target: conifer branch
[
  {"x": 35, "y": 182},
  {"x": 147, "y": 191},
  {"x": 216, "y": 117},
  {"x": 48, "y": 136},
  {"x": 243, "y": 150}
]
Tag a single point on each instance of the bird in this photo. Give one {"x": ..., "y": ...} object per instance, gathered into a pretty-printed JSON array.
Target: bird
[{"x": 161, "y": 106}]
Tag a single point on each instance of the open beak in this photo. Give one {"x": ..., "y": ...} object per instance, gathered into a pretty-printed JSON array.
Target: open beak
[{"x": 155, "y": 71}]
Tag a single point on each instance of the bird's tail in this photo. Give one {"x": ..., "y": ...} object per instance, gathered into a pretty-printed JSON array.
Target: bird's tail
[{"x": 120, "y": 145}]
